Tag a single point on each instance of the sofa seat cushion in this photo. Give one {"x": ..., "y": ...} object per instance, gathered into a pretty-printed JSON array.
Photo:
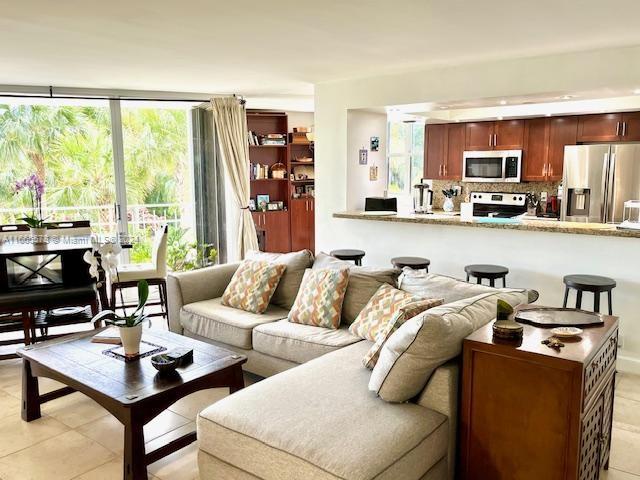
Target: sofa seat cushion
[
  {"x": 299, "y": 343},
  {"x": 211, "y": 319},
  {"x": 294, "y": 425}
]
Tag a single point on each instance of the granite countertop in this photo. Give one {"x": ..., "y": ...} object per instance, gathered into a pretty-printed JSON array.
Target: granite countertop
[{"x": 534, "y": 225}]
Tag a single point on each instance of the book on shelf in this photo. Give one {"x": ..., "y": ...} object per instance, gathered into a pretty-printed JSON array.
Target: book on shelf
[
  {"x": 253, "y": 139},
  {"x": 258, "y": 172},
  {"x": 267, "y": 141},
  {"x": 110, "y": 336}
]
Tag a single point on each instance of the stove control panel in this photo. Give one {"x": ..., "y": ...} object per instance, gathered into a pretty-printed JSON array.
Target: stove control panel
[{"x": 498, "y": 198}]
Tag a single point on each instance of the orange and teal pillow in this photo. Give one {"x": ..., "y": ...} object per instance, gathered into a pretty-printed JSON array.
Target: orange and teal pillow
[{"x": 252, "y": 285}]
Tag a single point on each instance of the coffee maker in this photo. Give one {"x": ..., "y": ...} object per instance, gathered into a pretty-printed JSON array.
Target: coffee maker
[{"x": 423, "y": 196}]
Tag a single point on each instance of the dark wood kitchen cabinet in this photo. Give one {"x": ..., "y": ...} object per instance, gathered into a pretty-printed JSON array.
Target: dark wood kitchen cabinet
[
  {"x": 630, "y": 127},
  {"x": 544, "y": 142},
  {"x": 275, "y": 225},
  {"x": 444, "y": 146},
  {"x": 501, "y": 135},
  {"x": 605, "y": 127},
  {"x": 302, "y": 224},
  {"x": 529, "y": 412}
]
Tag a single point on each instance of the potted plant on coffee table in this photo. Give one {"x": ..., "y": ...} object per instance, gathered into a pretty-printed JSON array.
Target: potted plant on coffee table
[{"x": 130, "y": 326}]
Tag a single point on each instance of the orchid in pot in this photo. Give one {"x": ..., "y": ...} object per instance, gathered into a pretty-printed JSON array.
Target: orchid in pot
[
  {"x": 130, "y": 326},
  {"x": 35, "y": 187}
]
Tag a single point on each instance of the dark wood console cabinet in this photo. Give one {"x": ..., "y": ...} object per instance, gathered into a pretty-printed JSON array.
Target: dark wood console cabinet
[{"x": 529, "y": 412}]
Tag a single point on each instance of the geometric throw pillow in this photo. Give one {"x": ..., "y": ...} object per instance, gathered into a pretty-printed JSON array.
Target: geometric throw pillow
[
  {"x": 319, "y": 300},
  {"x": 379, "y": 311},
  {"x": 401, "y": 316},
  {"x": 252, "y": 285}
]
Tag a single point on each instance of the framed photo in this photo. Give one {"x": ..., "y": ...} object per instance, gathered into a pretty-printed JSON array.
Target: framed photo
[
  {"x": 300, "y": 189},
  {"x": 275, "y": 206},
  {"x": 262, "y": 202},
  {"x": 375, "y": 144},
  {"x": 362, "y": 156},
  {"x": 252, "y": 204},
  {"x": 309, "y": 190}
]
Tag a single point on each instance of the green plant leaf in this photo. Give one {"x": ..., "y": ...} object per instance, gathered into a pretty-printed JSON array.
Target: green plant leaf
[
  {"x": 105, "y": 314},
  {"x": 143, "y": 295}
]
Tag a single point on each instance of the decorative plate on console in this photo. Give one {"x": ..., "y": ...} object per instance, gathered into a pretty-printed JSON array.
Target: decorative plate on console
[{"x": 557, "y": 317}]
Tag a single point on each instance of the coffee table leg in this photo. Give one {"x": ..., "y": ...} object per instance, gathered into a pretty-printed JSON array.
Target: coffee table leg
[
  {"x": 135, "y": 466},
  {"x": 237, "y": 382},
  {"x": 30, "y": 394}
]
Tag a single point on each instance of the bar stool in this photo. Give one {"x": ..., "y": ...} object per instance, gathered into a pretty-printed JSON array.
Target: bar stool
[
  {"x": 414, "y": 263},
  {"x": 490, "y": 272},
  {"x": 348, "y": 254},
  {"x": 589, "y": 283}
]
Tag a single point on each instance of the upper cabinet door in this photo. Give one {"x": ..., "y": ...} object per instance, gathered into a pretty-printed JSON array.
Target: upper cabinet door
[
  {"x": 606, "y": 127},
  {"x": 435, "y": 139},
  {"x": 631, "y": 127},
  {"x": 479, "y": 136},
  {"x": 563, "y": 131},
  {"x": 455, "y": 150},
  {"x": 535, "y": 153},
  {"x": 508, "y": 135}
]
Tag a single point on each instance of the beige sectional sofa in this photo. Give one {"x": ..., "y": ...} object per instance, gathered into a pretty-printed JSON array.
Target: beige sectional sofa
[{"x": 318, "y": 420}]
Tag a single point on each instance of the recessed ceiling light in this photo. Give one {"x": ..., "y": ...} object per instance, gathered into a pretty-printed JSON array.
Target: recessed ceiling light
[
  {"x": 548, "y": 115},
  {"x": 636, "y": 91},
  {"x": 457, "y": 120},
  {"x": 443, "y": 107},
  {"x": 503, "y": 102},
  {"x": 567, "y": 97},
  {"x": 499, "y": 118}
]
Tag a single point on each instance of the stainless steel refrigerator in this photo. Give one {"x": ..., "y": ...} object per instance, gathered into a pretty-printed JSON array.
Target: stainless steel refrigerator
[{"x": 597, "y": 180}]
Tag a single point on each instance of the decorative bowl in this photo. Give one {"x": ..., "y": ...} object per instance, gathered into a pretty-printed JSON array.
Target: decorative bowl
[{"x": 163, "y": 363}]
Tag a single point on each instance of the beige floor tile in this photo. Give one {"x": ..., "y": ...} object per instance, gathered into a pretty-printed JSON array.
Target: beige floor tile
[
  {"x": 625, "y": 446},
  {"x": 74, "y": 410},
  {"x": 626, "y": 414},
  {"x": 10, "y": 372},
  {"x": 9, "y": 405},
  {"x": 17, "y": 434},
  {"x": 193, "y": 404},
  {"x": 109, "y": 471},
  {"x": 45, "y": 385},
  {"x": 109, "y": 432},
  {"x": 613, "y": 474},
  {"x": 628, "y": 386},
  {"x": 60, "y": 458},
  {"x": 180, "y": 465}
]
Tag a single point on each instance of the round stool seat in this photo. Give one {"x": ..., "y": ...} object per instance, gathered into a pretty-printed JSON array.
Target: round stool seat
[
  {"x": 349, "y": 254},
  {"x": 490, "y": 272},
  {"x": 590, "y": 283},
  {"x": 415, "y": 263}
]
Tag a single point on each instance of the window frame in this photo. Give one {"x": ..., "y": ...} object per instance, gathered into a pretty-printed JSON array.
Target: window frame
[{"x": 408, "y": 155}]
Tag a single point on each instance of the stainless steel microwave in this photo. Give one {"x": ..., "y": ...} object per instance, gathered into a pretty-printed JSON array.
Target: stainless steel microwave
[{"x": 497, "y": 166}]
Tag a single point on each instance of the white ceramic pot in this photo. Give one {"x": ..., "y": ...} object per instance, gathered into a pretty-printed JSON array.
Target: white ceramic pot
[
  {"x": 447, "y": 206},
  {"x": 39, "y": 235},
  {"x": 130, "y": 337}
]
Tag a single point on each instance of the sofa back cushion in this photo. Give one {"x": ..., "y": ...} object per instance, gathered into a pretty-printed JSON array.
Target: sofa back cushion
[
  {"x": 425, "y": 342},
  {"x": 432, "y": 285},
  {"x": 364, "y": 282},
  {"x": 253, "y": 285},
  {"x": 296, "y": 263},
  {"x": 319, "y": 301}
]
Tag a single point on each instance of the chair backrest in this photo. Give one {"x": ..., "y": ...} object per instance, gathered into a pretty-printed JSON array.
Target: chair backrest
[
  {"x": 9, "y": 231},
  {"x": 159, "y": 255},
  {"x": 73, "y": 228}
]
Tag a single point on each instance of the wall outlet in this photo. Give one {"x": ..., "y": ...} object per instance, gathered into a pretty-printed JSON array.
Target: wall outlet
[
  {"x": 457, "y": 189},
  {"x": 543, "y": 197}
]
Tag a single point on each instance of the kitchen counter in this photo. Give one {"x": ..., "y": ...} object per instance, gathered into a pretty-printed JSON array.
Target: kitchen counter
[{"x": 534, "y": 224}]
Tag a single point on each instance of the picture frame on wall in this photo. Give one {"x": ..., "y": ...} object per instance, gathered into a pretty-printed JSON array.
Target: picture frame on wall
[
  {"x": 262, "y": 201},
  {"x": 375, "y": 144},
  {"x": 362, "y": 156}
]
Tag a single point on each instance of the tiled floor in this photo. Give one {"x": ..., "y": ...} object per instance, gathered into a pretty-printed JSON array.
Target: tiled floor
[{"x": 77, "y": 439}]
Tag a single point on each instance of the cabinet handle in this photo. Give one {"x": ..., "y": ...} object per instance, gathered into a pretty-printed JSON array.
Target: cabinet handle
[
  {"x": 618, "y": 128},
  {"x": 490, "y": 140},
  {"x": 306, "y": 205},
  {"x": 544, "y": 170},
  {"x": 550, "y": 170},
  {"x": 440, "y": 170},
  {"x": 495, "y": 139},
  {"x": 624, "y": 128},
  {"x": 444, "y": 169}
]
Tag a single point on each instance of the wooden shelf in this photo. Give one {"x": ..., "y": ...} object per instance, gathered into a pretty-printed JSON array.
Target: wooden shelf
[
  {"x": 267, "y": 146},
  {"x": 308, "y": 180},
  {"x": 304, "y": 144},
  {"x": 268, "y": 180},
  {"x": 294, "y": 162}
]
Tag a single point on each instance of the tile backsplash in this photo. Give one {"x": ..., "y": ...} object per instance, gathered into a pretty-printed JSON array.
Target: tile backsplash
[{"x": 537, "y": 187}]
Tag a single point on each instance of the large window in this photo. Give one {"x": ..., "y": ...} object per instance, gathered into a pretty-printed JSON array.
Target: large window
[
  {"x": 405, "y": 156},
  {"x": 69, "y": 144}
]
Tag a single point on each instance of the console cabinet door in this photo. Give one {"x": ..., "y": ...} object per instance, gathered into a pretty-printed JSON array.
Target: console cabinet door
[
  {"x": 606, "y": 127},
  {"x": 535, "y": 154},
  {"x": 563, "y": 131},
  {"x": 479, "y": 136},
  {"x": 276, "y": 227},
  {"x": 435, "y": 137},
  {"x": 509, "y": 135},
  {"x": 301, "y": 224}
]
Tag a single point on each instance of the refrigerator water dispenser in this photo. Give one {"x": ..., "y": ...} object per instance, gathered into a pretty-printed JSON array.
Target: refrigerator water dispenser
[{"x": 578, "y": 200}]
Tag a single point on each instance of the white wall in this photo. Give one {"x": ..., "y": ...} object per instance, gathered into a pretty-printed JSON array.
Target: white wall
[
  {"x": 361, "y": 126},
  {"x": 536, "y": 260}
]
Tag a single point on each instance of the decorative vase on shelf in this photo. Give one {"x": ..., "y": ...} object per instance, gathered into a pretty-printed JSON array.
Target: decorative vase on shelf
[
  {"x": 131, "y": 337},
  {"x": 447, "y": 206},
  {"x": 39, "y": 235}
]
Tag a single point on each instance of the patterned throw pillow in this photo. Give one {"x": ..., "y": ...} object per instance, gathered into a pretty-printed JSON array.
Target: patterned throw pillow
[
  {"x": 319, "y": 300},
  {"x": 379, "y": 311},
  {"x": 401, "y": 316},
  {"x": 252, "y": 285}
]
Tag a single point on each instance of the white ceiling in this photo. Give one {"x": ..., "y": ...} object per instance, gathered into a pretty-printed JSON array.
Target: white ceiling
[{"x": 279, "y": 47}]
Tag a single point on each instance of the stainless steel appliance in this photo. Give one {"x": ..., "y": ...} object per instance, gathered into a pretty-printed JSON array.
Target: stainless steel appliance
[
  {"x": 492, "y": 166},
  {"x": 498, "y": 204},
  {"x": 423, "y": 196},
  {"x": 597, "y": 180}
]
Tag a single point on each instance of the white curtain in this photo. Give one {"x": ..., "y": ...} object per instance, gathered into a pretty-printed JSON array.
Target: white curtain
[{"x": 230, "y": 119}]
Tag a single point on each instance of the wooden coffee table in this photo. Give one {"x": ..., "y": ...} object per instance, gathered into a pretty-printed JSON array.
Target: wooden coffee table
[{"x": 132, "y": 392}]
